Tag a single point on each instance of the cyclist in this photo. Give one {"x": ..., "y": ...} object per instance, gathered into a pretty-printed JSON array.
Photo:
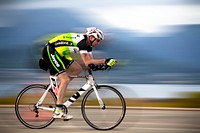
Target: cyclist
[{"x": 56, "y": 56}]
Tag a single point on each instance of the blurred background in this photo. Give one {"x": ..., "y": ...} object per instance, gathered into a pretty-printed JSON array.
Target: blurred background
[{"x": 157, "y": 44}]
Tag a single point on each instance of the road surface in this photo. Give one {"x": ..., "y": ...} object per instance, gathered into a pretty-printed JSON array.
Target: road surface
[{"x": 136, "y": 121}]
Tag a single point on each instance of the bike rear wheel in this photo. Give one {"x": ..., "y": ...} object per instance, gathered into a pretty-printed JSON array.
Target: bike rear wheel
[
  {"x": 26, "y": 111},
  {"x": 111, "y": 116}
]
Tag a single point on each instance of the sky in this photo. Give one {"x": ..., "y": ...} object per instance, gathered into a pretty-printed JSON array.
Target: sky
[
  {"x": 149, "y": 18},
  {"x": 143, "y": 17}
]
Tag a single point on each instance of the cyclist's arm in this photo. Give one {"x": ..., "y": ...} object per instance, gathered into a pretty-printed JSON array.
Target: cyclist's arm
[{"x": 88, "y": 59}]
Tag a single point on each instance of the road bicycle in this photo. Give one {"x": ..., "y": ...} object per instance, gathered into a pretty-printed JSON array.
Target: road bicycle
[{"x": 103, "y": 107}]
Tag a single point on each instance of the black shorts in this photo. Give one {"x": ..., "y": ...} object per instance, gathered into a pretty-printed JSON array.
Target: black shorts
[{"x": 56, "y": 63}]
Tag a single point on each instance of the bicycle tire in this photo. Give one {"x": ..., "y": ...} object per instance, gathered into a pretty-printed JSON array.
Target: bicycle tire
[
  {"x": 106, "y": 117},
  {"x": 22, "y": 104}
]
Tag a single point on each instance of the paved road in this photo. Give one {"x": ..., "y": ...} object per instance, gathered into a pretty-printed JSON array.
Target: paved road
[{"x": 136, "y": 121}]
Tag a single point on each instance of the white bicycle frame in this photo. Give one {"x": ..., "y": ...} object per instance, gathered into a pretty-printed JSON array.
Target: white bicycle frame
[{"x": 54, "y": 85}]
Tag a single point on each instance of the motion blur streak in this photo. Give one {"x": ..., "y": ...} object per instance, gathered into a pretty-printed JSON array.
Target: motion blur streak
[{"x": 155, "y": 42}]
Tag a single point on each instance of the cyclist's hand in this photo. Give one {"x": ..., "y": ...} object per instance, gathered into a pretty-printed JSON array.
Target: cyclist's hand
[
  {"x": 92, "y": 67},
  {"x": 110, "y": 62},
  {"x": 106, "y": 66}
]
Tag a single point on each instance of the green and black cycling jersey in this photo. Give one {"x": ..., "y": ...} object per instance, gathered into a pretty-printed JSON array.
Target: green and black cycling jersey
[
  {"x": 69, "y": 42},
  {"x": 56, "y": 52}
]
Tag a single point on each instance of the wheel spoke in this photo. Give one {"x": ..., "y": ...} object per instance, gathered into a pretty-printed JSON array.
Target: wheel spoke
[
  {"x": 110, "y": 115},
  {"x": 28, "y": 113}
]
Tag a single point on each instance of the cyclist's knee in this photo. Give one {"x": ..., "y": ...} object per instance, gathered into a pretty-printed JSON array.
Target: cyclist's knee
[
  {"x": 64, "y": 78},
  {"x": 79, "y": 70}
]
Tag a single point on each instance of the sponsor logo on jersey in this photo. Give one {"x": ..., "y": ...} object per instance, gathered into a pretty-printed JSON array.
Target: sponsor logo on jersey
[
  {"x": 70, "y": 37},
  {"x": 55, "y": 61},
  {"x": 63, "y": 43}
]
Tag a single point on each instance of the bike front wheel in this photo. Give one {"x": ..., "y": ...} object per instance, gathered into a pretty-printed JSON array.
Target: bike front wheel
[
  {"x": 27, "y": 111},
  {"x": 103, "y": 118}
]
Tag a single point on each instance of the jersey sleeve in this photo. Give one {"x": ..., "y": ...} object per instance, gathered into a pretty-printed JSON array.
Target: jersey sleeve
[{"x": 84, "y": 48}]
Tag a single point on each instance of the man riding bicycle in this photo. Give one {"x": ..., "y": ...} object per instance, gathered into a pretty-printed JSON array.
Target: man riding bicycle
[{"x": 56, "y": 56}]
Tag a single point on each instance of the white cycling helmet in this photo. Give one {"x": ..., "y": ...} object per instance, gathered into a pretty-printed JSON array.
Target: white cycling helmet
[{"x": 97, "y": 33}]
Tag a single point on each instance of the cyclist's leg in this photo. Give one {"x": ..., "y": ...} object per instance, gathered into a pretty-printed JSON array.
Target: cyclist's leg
[
  {"x": 74, "y": 69},
  {"x": 64, "y": 81},
  {"x": 58, "y": 66}
]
